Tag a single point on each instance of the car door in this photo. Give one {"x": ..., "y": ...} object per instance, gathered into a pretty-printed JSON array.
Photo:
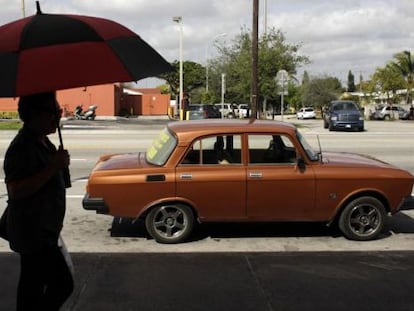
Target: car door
[
  {"x": 277, "y": 189},
  {"x": 212, "y": 178}
]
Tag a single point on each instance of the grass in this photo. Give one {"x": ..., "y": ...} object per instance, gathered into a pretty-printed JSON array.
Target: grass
[{"x": 10, "y": 124}]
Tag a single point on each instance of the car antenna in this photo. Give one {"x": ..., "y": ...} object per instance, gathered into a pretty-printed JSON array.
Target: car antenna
[{"x": 320, "y": 149}]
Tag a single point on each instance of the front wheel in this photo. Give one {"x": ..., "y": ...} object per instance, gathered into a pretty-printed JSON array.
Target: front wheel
[
  {"x": 362, "y": 219},
  {"x": 170, "y": 224}
]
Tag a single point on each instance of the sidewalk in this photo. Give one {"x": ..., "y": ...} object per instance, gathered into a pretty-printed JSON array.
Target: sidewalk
[{"x": 232, "y": 281}]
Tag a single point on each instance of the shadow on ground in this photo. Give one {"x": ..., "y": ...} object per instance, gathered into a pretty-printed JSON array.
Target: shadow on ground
[{"x": 124, "y": 227}]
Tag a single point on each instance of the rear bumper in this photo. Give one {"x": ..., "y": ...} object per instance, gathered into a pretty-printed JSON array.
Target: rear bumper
[
  {"x": 407, "y": 204},
  {"x": 95, "y": 204}
]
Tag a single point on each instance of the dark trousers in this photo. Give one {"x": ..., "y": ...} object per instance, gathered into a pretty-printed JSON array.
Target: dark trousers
[{"x": 45, "y": 281}]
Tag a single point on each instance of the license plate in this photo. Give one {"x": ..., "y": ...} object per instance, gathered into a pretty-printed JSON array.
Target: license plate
[{"x": 348, "y": 126}]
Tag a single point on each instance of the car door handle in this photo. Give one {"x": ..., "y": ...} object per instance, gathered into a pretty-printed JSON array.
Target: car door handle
[
  {"x": 186, "y": 176},
  {"x": 255, "y": 175}
]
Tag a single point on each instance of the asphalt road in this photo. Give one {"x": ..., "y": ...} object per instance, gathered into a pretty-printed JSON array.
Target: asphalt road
[
  {"x": 282, "y": 266},
  {"x": 85, "y": 231},
  {"x": 380, "y": 281}
]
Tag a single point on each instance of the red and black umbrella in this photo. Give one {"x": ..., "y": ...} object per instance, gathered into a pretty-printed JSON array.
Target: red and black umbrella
[{"x": 48, "y": 52}]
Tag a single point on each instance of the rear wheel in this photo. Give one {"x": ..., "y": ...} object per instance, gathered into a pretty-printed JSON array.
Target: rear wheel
[
  {"x": 362, "y": 219},
  {"x": 170, "y": 224}
]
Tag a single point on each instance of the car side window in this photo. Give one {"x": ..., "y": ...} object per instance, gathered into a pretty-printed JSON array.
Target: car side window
[
  {"x": 220, "y": 149},
  {"x": 271, "y": 149}
]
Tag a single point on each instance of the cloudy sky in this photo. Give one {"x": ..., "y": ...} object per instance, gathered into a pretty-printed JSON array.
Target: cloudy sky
[{"x": 337, "y": 36}]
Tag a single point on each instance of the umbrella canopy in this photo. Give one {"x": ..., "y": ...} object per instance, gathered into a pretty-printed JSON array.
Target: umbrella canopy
[{"x": 48, "y": 52}]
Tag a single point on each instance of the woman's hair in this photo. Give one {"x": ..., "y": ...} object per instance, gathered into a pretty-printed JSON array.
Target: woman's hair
[{"x": 28, "y": 104}]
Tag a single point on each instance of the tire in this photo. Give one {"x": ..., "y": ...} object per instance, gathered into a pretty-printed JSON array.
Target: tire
[
  {"x": 362, "y": 219},
  {"x": 169, "y": 224},
  {"x": 325, "y": 124}
]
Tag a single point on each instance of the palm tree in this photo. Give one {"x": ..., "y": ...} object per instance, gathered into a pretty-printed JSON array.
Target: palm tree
[{"x": 404, "y": 63}]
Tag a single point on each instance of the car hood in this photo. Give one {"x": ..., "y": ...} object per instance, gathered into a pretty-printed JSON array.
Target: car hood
[
  {"x": 121, "y": 161},
  {"x": 348, "y": 112},
  {"x": 342, "y": 158}
]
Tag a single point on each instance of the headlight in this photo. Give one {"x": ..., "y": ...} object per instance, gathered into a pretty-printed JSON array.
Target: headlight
[
  {"x": 361, "y": 118},
  {"x": 334, "y": 118}
]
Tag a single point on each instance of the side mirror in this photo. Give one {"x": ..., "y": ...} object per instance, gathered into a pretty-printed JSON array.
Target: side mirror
[{"x": 300, "y": 162}]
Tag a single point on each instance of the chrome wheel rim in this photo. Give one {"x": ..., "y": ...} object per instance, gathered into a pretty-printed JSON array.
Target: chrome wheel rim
[
  {"x": 365, "y": 220},
  {"x": 170, "y": 221}
]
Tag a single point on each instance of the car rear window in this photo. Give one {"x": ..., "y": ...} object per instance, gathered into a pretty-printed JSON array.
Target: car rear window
[{"x": 161, "y": 148}]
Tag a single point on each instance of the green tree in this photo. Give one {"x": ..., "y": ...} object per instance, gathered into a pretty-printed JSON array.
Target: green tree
[
  {"x": 235, "y": 61},
  {"x": 351, "y": 82},
  {"x": 387, "y": 80},
  {"x": 404, "y": 64},
  {"x": 320, "y": 91},
  {"x": 193, "y": 78}
]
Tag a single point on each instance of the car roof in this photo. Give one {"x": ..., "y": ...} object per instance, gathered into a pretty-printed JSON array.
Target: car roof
[
  {"x": 187, "y": 130},
  {"x": 342, "y": 101}
]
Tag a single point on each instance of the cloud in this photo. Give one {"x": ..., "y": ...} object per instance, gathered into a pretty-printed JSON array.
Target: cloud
[{"x": 337, "y": 35}]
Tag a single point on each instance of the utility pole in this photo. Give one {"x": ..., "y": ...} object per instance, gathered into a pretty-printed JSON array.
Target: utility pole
[
  {"x": 265, "y": 17},
  {"x": 23, "y": 9},
  {"x": 223, "y": 91},
  {"x": 281, "y": 78},
  {"x": 178, "y": 20},
  {"x": 255, "y": 49}
]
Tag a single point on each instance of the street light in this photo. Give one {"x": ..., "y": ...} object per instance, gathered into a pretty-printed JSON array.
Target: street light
[
  {"x": 212, "y": 41},
  {"x": 178, "y": 20}
]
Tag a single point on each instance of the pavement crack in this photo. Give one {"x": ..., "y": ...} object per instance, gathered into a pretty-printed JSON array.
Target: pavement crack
[
  {"x": 259, "y": 285},
  {"x": 77, "y": 294}
]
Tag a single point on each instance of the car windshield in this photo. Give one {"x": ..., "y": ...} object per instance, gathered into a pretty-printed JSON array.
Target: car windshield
[
  {"x": 161, "y": 148},
  {"x": 345, "y": 106},
  {"x": 313, "y": 156}
]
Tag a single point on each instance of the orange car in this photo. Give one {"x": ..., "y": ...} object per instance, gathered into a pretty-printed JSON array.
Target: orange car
[{"x": 237, "y": 170}]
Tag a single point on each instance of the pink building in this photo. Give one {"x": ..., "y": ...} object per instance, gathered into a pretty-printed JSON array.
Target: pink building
[{"x": 111, "y": 99}]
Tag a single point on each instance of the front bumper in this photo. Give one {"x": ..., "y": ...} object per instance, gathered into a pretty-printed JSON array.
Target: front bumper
[
  {"x": 347, "y": 124},
  {"x": 95, "y": 204},
  {"x": 407, "y": 204}
]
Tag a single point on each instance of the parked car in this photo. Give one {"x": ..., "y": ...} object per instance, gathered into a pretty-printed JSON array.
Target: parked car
[
  {"x": 244, "y": 110},
  {"x": 229, "y": 111},
  {"x": 388, "y": 112},
  {"x": 203, "y": 111},
  {"x": 343, "y": 114},
  {"x": 306, "y": 113},
  {"x": 238, "y": 170}
]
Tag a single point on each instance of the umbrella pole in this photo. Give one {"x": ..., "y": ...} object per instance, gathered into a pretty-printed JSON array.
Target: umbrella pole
[{"x": 66, "y": 173}]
